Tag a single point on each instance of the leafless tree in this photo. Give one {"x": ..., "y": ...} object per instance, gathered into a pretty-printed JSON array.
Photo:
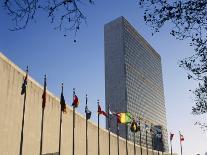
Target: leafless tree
[
  {"x": 67, "y": 15},
  {"x": 187, "y": 19}
]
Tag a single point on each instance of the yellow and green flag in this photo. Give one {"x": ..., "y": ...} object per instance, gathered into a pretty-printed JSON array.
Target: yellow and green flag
[{"x": 124, "y": 117}]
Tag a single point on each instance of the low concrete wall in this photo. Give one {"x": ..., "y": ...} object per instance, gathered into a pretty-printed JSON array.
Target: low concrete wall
[{"x": 11, "y": 107}]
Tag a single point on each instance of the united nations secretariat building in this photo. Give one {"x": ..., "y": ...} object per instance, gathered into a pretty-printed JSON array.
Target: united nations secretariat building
[{"x": 133, "y": 81}]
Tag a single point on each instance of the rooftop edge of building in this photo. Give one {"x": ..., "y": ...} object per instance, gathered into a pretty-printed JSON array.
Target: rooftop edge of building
[{"x": 123, "y": 19}]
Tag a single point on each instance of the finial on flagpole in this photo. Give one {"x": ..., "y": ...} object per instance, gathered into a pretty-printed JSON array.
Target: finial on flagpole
[
  {"x": 62, "y": 86},
  {"x": 27, "y": 70},
  {"x": 86, "y": 99}
]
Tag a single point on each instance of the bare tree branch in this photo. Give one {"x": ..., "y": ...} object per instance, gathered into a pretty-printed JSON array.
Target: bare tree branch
[{"x": 65, "y": 14}]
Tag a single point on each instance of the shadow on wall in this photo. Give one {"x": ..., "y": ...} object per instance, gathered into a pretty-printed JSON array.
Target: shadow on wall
[{"x": 57, "y": 153}]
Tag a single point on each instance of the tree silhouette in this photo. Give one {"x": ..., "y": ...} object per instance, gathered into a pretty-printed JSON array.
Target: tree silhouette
[
  {"x": 65, "y": 14},
  {"x": 187, "y": 20}
]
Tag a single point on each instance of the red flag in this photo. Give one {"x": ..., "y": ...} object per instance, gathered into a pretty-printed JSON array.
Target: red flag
[
  {"x": 75, "y": 101},
  {"x": 100, "y": 111},
  {"x": 171, "y": 136},
  {"x": 181, "y": 137},
  {"x": 44, "y": 94}
]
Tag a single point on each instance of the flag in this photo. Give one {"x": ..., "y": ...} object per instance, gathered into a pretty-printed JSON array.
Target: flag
[
  {"x": 88, "y": 113},
  {"x": 152, "y": 129},
  {"x": 44, "y": 94},
  {"x": 146, "y": 126},
  {"x": 171, "y": 136},
  {"x": 181, "y": 137},
  {"x": 62, "y": 102},
  {"x": 101, "y": 112},
  {"x": 24, "y": 84},
  {"x": 159, "y": 134},
  {"x": 134, "y": 127},
  {"x": 75, "y": 101},
  {"x": 111, "y": 113},
  {"x": 124, "y": 117}
]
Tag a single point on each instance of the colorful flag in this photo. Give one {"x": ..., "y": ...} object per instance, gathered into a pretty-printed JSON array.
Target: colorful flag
[
  {"x": 88, "y": 113},
  {"x": 124, "y": 117},
  {"x": 171, "y": 136},
  {"x": 44, "y": 94},
  {"x": 181, "y": 137},
  {"x": 134, "y": 127},
  {"x": 75, "y": 101},
  {"x": 24, "y": 84},
  {"x": 62, "y": 102},
  {"x": 101, "y": 112}
]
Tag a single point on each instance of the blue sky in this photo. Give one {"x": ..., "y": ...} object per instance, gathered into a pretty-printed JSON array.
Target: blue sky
[{"x": 81, "y": 64}]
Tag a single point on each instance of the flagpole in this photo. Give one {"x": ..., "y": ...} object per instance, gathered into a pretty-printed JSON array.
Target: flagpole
[
  {"x": 22, "y": 129},
  {"x": 147, "y": 143},
  {"x": 152, "y": 143},
  {"x": 60, "y": 132},
  {"x": 86, "y": 128},
  {"x": 41, "y": 136},
  {"x": 109, "y": 130},
  {"x": 117, "y": 125},
  {"x": 134, "y": 145},
  {"x": 98, "y": 131},
  {"x": 171, "y": 147},
  {"x": 73, "y": 123},
  {"x": 140, "y": 140},
  {"x": 126, "y": 139},
  {"x": 43, "y": 111},
  {"x": 181, "y": 149}
]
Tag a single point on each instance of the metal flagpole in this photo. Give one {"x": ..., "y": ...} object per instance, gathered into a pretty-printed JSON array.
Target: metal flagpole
[
  {"x": 140, "y": 140},
  {"x": 117, "y": 125},
  {"x": 25, "y": 95},
  {"x": 98, "y": 131},
  {"x": 73, "y": 123},
  {"x": 86, "y": 127},
  {"x": 43, "y": 111},
  {"x": 126, "y": 139},
  {"x": 152, "y": 143},
  {"x": 60, "y": 132},
  {"x": 147, "y": 143},
  {"x": 109, "y": 129},
  {"x": 134, "y": 145},
  {"x": 181, "y": 149},
  {"x": 171, "y": 147},
  {"x": 41, "y": 137}
]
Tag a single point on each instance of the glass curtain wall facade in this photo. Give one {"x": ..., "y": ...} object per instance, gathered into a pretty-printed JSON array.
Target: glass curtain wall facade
[{"x": 133, "y": 81}]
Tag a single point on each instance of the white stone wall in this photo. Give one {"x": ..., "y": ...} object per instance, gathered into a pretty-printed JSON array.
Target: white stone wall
[{"x": 11, "y": 107}]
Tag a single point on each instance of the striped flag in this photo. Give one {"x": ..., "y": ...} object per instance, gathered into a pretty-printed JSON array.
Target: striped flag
[{"x": 124, "y": 117}]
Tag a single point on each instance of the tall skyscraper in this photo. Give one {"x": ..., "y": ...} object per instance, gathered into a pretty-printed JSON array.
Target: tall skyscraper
[{"x": 133, "y": 81}]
